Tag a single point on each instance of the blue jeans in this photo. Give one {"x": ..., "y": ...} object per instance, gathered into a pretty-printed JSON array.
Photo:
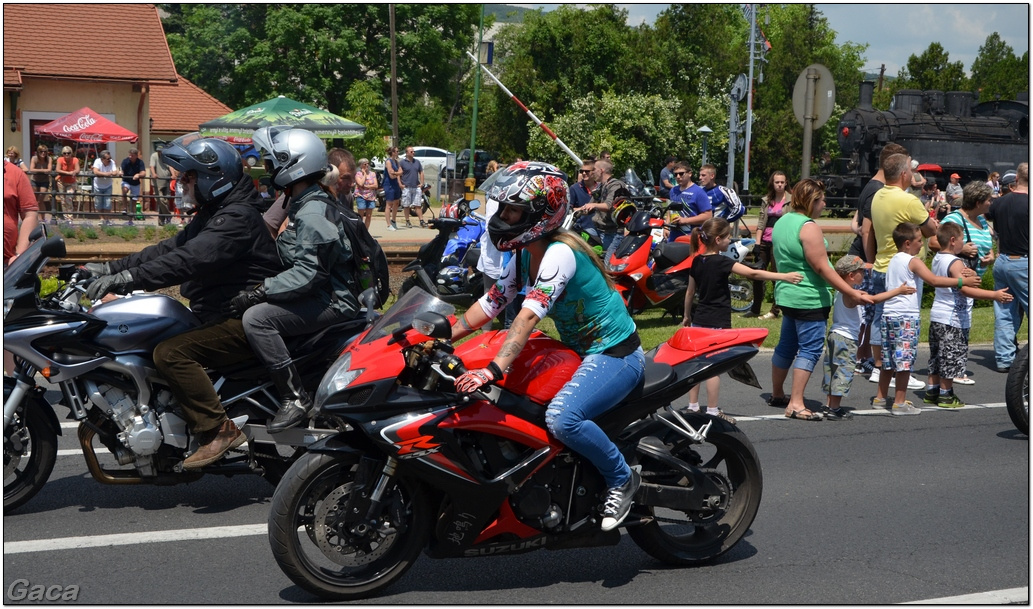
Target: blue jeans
[
  {"x": 610, "y": 243},
  {"x": 599, "y": 384},
  {"x": 800, "y": 344},
  {"x": 1012, "y": 274},
  {"x": 878, "y": 287}
]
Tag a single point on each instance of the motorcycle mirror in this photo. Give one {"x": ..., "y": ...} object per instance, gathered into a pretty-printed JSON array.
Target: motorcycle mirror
[
  {"x": 39, "y": 231},
  {"x": 54, "y": 247},
  {"x": 434, "y": 325},
  {"x": 369, "y": 299},
  {"x": 475, "y": 204}
]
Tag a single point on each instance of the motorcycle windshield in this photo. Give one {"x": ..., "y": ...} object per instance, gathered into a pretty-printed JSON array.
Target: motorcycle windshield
[
  {"x": 405, "y": 309},
  {"x": 633, "y": 181}
]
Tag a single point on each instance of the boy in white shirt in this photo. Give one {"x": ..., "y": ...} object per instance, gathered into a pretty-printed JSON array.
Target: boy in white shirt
[
  {"x": 950, "y": 317},
  {"x": 841, "y": 342},
  {"x": 901, "y": 314}
]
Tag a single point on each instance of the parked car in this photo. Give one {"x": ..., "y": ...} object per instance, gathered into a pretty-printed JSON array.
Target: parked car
[
  {"x": 249, "y": 154},
  {"x": 480, "y": 167},
  {"x": 429, "y": 157}
]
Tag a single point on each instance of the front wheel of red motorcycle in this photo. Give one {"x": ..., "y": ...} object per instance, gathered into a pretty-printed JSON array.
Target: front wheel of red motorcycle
[
  {"x": 697, "y": 537},
  {"x": 336, "y": 557}
]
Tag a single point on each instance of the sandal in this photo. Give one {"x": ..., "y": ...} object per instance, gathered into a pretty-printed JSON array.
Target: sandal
[
  {"x": 781, "y": 402},
  {"x": 799, "y": 414}
]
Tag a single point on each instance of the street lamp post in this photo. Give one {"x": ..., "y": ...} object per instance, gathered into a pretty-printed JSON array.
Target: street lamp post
[{"x": 705, "y": 131}]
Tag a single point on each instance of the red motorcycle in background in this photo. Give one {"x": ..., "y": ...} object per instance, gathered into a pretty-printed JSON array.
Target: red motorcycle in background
[
  {"x": 652, "y": 272},
  {"x": 416, "y": 466}
]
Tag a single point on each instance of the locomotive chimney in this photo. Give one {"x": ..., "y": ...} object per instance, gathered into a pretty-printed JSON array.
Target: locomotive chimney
[{"x": 867, "y": 89}]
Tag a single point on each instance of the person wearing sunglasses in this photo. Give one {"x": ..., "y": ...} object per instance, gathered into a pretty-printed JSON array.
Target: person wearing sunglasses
[
  {"x": 67, "y": 170},
  {"x": 580, "y": 193},
  {"x": 694, "y": 204}
]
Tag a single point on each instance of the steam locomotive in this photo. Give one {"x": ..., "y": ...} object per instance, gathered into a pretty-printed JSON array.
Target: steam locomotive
[{"x": 945, "y": 129}]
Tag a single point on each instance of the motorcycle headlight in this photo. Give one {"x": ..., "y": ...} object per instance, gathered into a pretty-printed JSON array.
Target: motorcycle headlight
[
  {"x": 616, "y": 268},
  {"x": 337, "y": 378}
]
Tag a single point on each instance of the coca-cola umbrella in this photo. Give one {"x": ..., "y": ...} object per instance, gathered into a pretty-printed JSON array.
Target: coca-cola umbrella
[
  {"x": 85, "y": 125},
  {"x": 237, "y": 127}
]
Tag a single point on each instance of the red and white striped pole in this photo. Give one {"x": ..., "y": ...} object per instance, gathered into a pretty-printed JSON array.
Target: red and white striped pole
[{"x": 536, "y": 120}]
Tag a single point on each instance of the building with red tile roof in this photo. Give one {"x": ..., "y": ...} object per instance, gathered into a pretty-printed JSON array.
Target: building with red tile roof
[
  {"x": 180, "y": 109},
  {"x": 116, "y": 76}
]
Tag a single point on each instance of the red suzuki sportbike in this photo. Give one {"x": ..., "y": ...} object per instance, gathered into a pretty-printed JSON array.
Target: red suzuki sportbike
[{"x": 417, "y": 466}]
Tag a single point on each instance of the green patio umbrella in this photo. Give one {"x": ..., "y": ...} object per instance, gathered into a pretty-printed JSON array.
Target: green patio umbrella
[{"x": 237, "y": 126}]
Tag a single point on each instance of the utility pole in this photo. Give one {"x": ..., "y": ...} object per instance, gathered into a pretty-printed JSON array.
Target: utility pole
[
  {"x": 471, "y": 181},
  {"x": 749, "y": 102},
  {"x": 394, "y": 78},
  {"x": 882, "y": 71}
]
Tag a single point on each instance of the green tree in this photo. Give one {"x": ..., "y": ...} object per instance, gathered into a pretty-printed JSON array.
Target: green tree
[
  {"x": 636, "y": 128},
  {"x": 366, "y": 106},
  {"x": 997, "y": 72},
  {"x": 933, "y": 70}
]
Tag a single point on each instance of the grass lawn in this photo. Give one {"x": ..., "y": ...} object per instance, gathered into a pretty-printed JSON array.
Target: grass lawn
[{"x": 654, "y": 329}]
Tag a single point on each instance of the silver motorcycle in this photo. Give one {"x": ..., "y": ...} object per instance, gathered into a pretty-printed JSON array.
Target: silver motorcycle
[{"x": 100, "y": 359}]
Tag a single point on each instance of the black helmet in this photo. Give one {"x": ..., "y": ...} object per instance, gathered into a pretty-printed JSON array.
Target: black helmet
[
  {"x": 217, "y": 163},
  {"x": 540, "y": 190}
]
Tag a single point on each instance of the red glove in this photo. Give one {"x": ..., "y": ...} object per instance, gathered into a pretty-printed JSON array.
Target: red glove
[{"x": 476, "y": 379}]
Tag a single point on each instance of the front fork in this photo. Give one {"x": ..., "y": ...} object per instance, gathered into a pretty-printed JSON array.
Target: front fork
[{"x": 23, "y": 384}]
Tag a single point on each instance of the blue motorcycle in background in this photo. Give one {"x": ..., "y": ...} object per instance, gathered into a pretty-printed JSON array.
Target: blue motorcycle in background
[{"x": 446, "y": 266}]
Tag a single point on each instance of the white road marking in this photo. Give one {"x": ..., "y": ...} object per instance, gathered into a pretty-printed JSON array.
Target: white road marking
[
  {"x": 128, "y": 539},
  {"x": 1011, "y": 596}
]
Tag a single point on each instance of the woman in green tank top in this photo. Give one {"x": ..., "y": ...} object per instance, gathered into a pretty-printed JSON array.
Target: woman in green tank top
[{"x": 799, "y": 246}]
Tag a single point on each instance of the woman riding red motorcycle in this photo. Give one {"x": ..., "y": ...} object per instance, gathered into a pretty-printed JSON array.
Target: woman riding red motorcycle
[{"x": 563, "y": 277}]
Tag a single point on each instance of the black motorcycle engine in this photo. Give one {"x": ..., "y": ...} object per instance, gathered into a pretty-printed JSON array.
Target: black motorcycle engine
[{"x": 537, "y": 503}]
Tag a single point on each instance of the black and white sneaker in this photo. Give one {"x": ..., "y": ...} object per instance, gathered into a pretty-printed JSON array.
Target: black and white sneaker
[{"x": 619, "y": 500}]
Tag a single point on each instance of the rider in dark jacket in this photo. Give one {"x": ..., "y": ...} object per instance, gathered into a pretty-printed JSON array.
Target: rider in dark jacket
[
  {"x": 225, "y": 248},
  {"x": 226, "y": 235}
]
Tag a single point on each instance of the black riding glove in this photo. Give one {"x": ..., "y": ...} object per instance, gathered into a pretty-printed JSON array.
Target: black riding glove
[
  {"x": 244, "y": 301},
  {"x": 98, "y": 269},
  {"x": 119, "y": 283}
]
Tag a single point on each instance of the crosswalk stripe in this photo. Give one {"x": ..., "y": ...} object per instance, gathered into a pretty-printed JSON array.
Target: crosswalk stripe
[
  {"x": 1010, "y": 596},
  {"x": 126, "y": 539}
]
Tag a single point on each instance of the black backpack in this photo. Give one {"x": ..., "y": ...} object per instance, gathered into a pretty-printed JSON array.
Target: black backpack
[{"x": 370, "y": 260}]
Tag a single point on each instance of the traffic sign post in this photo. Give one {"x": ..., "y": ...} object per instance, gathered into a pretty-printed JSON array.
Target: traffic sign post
[{"x": 814, "y": 98}]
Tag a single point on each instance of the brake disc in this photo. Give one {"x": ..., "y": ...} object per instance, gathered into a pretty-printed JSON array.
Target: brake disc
[{"x": 342, "y": 547}]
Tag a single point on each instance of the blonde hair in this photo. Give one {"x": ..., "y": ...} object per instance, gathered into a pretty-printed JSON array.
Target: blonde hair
[
  {"x": 576, "y": 243},
  {"x": 14, "y": 150},
  {"x": 66, "y": 149}
]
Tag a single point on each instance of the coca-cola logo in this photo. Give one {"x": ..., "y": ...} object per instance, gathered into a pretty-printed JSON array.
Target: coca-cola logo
[
  {"x": 84, "y": 121},
  {"x": 91, "y": 137}
]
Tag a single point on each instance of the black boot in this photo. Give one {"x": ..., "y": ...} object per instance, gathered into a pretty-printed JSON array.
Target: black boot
[{"x": 295, "y": 403}]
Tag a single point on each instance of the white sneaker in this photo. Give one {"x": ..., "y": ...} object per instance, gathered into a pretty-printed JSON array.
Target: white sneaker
[
  {"x": 874, "y": 378},
  {"x": 906, "y": 408},
  {"x": 878, "y": 402},
  {"x": 391, "y": 227},
  {"x": 913, "y": 383},
  {"x": 618, "y": 501},
  {"x": 964, "y": 380}
]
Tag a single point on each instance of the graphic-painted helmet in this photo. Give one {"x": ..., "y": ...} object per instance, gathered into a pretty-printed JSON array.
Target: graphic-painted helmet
[
  {"x": 540, "y": 191},
  {"x": 216, "y": 162}
]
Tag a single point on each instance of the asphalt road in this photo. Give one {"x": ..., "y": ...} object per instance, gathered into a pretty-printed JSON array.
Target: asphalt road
[{"x": 874, "y": 510}]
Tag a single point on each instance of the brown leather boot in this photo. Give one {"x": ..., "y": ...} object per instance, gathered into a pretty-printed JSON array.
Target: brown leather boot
[{"x": 225, "y": 437}]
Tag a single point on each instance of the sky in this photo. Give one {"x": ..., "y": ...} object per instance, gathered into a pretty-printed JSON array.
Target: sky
[{"x": 894, "y": 32}]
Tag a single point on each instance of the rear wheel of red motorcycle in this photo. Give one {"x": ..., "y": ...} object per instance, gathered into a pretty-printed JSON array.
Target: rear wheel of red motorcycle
[
  {"x": 339, "y": 561},
  {"x": 691, "y": 538}
]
